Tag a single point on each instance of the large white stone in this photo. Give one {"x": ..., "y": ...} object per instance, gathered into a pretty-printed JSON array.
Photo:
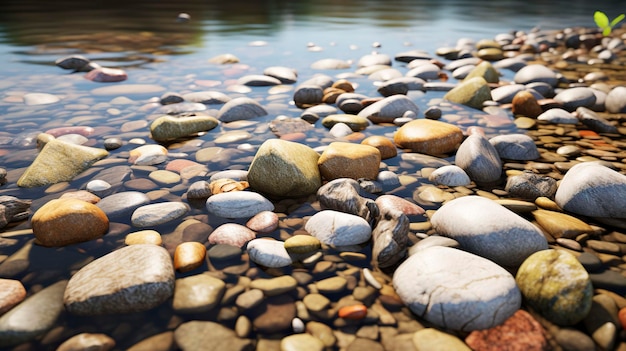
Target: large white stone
[
  {"x": 338, "y": 229},
  {"x": 269, "y": 253},
  {"x": 238, "y": 204}
]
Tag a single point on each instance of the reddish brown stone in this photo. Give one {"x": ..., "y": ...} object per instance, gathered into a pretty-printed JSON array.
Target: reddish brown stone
[
  {"x": 429, "y": 137},
  {"x": 384, "y": 145},
  {"x": 12, "y": 292},
  {"x": 525, "y": 104},
  {"x": 275, "y": 315},
  {"x": 521, "y": 332},
  {"x": 353, "y": 312}
]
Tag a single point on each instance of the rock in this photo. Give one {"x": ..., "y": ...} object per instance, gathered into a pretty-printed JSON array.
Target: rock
[
  {"x": 209, "y": 336},
  {"x": 285, "y": 169},
  {"x": 12, "y": 208},
  {"x": 284, "y": 74},
  {"x": 59, "y": 161},
  {"x": 356, "y": 123},
  {"x": 238, "y": 204},
  {"x": 301, "y": 342},
  {"x": 131, "y": 279},
  {"x": 224, "y": 59},
  {"x": 302, "y": 244},
  {"x": 189, "y": 256},
  {"x": 525, "y": 104},
  {"x": 275, "y": 286},
  {"x": 388, "y": 109},
  {"x": 489, "y": 230},
  {"x": 338, "y": 229},
  {"x": 308, "y": 95},
  {"x": 374, "y": 59},
  {"x": 574, "y": 340},
  {"x": 428, "y": 137},
  {"x": 343, "y": 195},
  {"x": 384, "y": 145},
  {"x": 556, "y": 286},
  {"x": 88, "y": 341},
  {"x": 75, "y": 62},
  {"x": 314, "y": 113},
  {"x": 258, "y": 80},
  {"x": 479, "y": 159},
  {"x": 231, "y": 234},
  {"x": 159, "y": 213},
  {"x": 143, "y": 237},
  {"x": 530, "y": 186},
  {"x": 63, "y": 222},
  {"x": 431, "y": 339},
  {"x": 471, "y": 92},
  {"x": 122, "y": 204},
  {"x": 504, "y": 94},
  {"x": 558, "y": 116},
  {"x": 426, "y": 71},
  {"x": 561, "y": 225},
  {"x": 106, "y": 75},
  {"x": 331, "y": 285},
  {"x": 18, "y": 325},
  {"x": 199, "y": 190},
  {"x": 34, "y": 99},
  {"x": 595, "y": 122},
  {"x": 330, "y": 63},
  {"x": 263, "y": 222},
  {"x": 536, "y": 73},
  {"x": 241, "y": 108},
  {"x": 268, "y": 253},
  {"x": 167, "y": 128},
  {"x": 274, "y": 315},
  {"x": 573, "y": 98},
  {"x": 590, "y": 189},
  {"x": 390, "y": 238},
  {"x": 521, "y": 330},
  {"x": 450, "y": 175},
  {"x": 435, "y": 285},
  {"x": 616, "y": 100},
  {"x": 393, "y": 202},
  {"x": 519, "y": 147},
  {"x": 347, "y": 160},
  {"x": 198, "y": 293},
  {"x": 148, "y": 155},
  {"x": 397, "y": 86},
  {"x": 206, "y": 97},
  {"x": 12, "y": 292}
]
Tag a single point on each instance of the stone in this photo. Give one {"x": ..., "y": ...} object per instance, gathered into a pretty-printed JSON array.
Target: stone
[
  {"x": 148, "y": 155},
  {"x": 143, "y": 237},
  {"x": 519, "y": 147},
  {"x": 338, "y": 229},
  {"x": 486, "y": 71},
  {"x": 206, "y": 97},
  {"x": 159, "y": 213},
  {"x": 384, "y": 145},
  {"x": 526, "y": 104},
  {"x": 63, "y": 222},
  {"x": 573, "y": 98},
  {"x": 356, "y": 123},
  {"x": 348, "y": 160},
  {"x": 594, "y": 122},
  {"x": 561, "y": 225},
  {"x": 426, "y": 71},
  {"x": 199, "y": 190},
  {"x": 390, "y": 238},
  {"x": 435, "y": 285},
  {"x": 471, "y": 92},
  {"x": 431, "y": 339},
  {"x": 198, "y": 293},
  {"x": 285, "y": 169},
  {"x": 428, "y": 137},
  {"x": 131, "y": 279},
  {"x": 302, "y": 244},
  {"x": 35, "y": 99},
  {"x": 274, "y": 315},
  {"x": 249, "y": 299},
  {"x": 504, "y": 94},
  {"x": 616, "y": 100},
  {"x": 331, "y": 285},
  {"x": 574, "y": 340},
  {"x": 166, "y": 128},
  {"x": 268, "y": 253},
  {"x": 106, "y": 75},
  {"x": 189, "y": 256},
  {"x": 224, "y": 59},
  {"x": 59, "y": 161},
  {"x": 308, "y": 95},
  {"x": 489, "y": 230},
  {"x": 241, "y": 108},
  {"x": 591, "y": 189},
  {"x": 263, "y": 222},
  {"x": 275, "y": 286},
  {"x": 388, "y": 109},
  {"x": 536, "y": 73},
  {"x": 238, "y": 204},
  {"x": 479, "y": 159},
  {"x": 122, "y": 204},
  {"x": 12, "y": 292},
  {"x": 393, "y": 202},
  {"x": 18, "y": 325},
  {"x": 450, "y": 175},
  {"x": 556, "y": 286},
  {"x": 231, "y": 234},
  {"x": 285, "y": 75},
  {"x": 330, "y": 63},
  {"x": 530, "y": 186},
  {"x": 209, "y": 336},
  {"x": 520, "y": 331},
  {"x": 75, "y": 62},
  {"x": 301, "y": 342},
  {"x": 558, "y": 116},
  {"x": 343, "y": 195},
  {"x": 12, "y": 208},
  {"x": 88, "y": 341},
  {"x": 258, "y": 80}
]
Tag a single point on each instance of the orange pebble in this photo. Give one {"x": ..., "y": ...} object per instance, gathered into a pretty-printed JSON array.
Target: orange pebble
[
  {"x": 622, "y": 317},
  {"x": 352, "y": 312}
]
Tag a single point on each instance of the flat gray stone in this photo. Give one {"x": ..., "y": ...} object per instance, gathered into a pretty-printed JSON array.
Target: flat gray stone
[
  {"x": 238, "y": 204},
  {"x": 519, "y": 147},
  {"x": 159, "y": 213},
  {"x": 536, "y": 73},
  {"x": 210, "y": 97},
  {"x": 122, "y": 204},
  {"x": 479, "y": 159},
  {"x": 388, "y": 109},
  {"x": 241, "y": 108}
]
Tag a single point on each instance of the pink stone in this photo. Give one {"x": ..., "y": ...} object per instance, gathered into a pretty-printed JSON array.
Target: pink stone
[
  {"x": 179, "y": 164},
  {"x": 231, "y": 234},
  {"x": 81, "y": 130},
  {"x": 263, "y": 222},
  {"x": 106, "y": 75},
  {"x": 12, "y": 292},
  {"x": 400, "y": 204},
  {"x": 520, "y": 332}
]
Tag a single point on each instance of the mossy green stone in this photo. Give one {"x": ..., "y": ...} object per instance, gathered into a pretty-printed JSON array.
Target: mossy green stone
[
  {"x": 486, "y": 71},
  {"x": 471, "y": 92},
  {"x": 285, "y": 169},
  {"x": 302, "y": 244},
  {"x": 555, "y": 284},
  {"x": 59, "y": 162},
  {"x": 356, "y": 123},
  {"x": 167, "y": 128}
]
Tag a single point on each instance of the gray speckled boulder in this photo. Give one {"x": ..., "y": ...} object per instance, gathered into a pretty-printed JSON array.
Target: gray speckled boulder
[
  {"x": 456, "y": 289},
  {"x": 488, "y": 229},
  {"x": 132, "y": 279},
  {"x": 590, "y": 189},
  {"x": 519, "y": 147},
  {"x": 479, "y": 159}
]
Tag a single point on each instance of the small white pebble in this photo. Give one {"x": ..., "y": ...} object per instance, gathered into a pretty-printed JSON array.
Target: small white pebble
[{"x": 369, "y": 278}]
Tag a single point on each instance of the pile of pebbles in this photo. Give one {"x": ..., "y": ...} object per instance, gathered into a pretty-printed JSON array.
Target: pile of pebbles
[{"x": 474, "y": 199}]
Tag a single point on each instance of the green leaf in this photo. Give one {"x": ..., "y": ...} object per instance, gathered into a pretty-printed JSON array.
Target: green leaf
[
  {"x": 616, "y": 20},
  {"x": 601, "y": 20}
]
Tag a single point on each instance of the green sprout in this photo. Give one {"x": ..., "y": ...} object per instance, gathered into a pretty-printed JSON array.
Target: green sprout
[{"x": 603, "y": 22}]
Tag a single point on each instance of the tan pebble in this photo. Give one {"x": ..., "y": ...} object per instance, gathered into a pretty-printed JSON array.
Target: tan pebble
[
  {"x": 384, "y": 145},
  {"x": 88, "y": 341},
  {"x": 12, "y": 292},
  {"x": 81, "y": 195},
  {"x": 143, "y": 237},
  {"x": 263, "y": 222},
  {"x": 188, "y": 256},
  {"x": 561, "y": 225},
  {"x": 547, "y": 204},
  {"x": 343, "y": 85}
]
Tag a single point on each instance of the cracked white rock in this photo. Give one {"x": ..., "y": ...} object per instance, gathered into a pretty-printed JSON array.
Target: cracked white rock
[{"x": 338, "y": 229}]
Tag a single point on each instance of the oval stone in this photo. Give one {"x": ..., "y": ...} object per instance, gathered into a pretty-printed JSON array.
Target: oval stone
[
  {"x": 238, "y": 204},
  {"x": 159, "y": 213},
  {"x": 241, "y": 108},
  {"x": 338, "y": 228},
  {"x": 167, "y": 128},
  {"x": 388, "y": 109},
  {"x": 428, "y": 137},
  {"x": 268, "y": 253}
]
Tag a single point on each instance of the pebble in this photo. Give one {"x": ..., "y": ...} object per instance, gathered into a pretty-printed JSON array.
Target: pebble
[
  {"x": 238, "y": 204},
  {"x": 241, "y": 108},
  {"x": 148, "y": 155},
  {"x": 388, "y": 109},
  {"x": 331, "y": 285},
  {"x": 479, "y": 159},
  {"x": 573, "y": 98},
  {"x": 301, "y": 342},
  {"x": 561, "y": 225},
  {"x": 302, "y": 244},
  {"x": 389, "y": 238},
  {"x": 558, "y": 116},
  {"x": 285, "y": 75},
  {"x": 166, "y": 128},
  {"x": 519, "y": 147},
  {"x": 122, "y": 204},
  {"x": 355, "y": 312},
  {"x": 159, "y": 213},
  {"x": 330, "y": 63},
  {"x": 198, "y": 293},
  {"x": 574, "y": 340},
  {"x": 75, "y": 62},
  {"x": 525, "y": 104},
  {"x": 34, "y": 99},
  {"x": 426, "y": 71},
  {"x": 189, "y": 256},
  {"x": 356, "y": 123},
  {"x": 450, "y": 175},
  {"x": 431, "y": 339},
  {"x": 521, "y": 330},
  {"x": 393, "y": 202},
  {"x": 530, "y": 186},
  {"x": 384, "y": 145},
  {"x": 348, "y": 160},
  {"x": 486, "y": 71},
  {"x": 12, "y": 292},
  {"x": 258, "y": 80},
  {"x": 106, "y": 75},
  {"x": 231, "y": 234},
  {"x": 208, "y": 336},
  {"x": 535, "y": 73},
  {"x": 268, "y": 253},
  {"x": 263, "y": 222},
  {"x": 338, "y": 229},
  {"x": 428, "y": 137},
  {"x": 249, "y": 299},
  {"x": 616, "y": 100},
  {"x": 594, "y": 121},
  {"x": 471, "y": 92},
  {"x": 88, "y": 341},
  {"x": 143, "y": 237}
]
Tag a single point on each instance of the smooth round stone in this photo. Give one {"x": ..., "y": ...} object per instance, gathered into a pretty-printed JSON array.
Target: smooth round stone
[
  {"x": 231, "y": 234},
  {"x": 123, "y": 203},
  {"x": 479, "y": 159},
  {"x": 275, "y": 286},
  {"x": 87, "y": 341},
  {"x": 338, "y": 229},
  {"x": 340, "y": 130},
  {"x": 594, "y": 121},
  {"x": 573, "y": 98},
  {"x": 426, "y": 71},
  {"x": 104, "y": 74},
  {"x": 384, "y": 145},
  {"x": 349, "y": 160},
  {"x": 525, "y": 104},
  {"x": 76, "y": 139},
  {"x": 113, "y": 143},
  {"x": 536, "y": 73},
  {"x": 400, "y": 204},
  {"x": 471, "y": 92},
  {"x": 450, "y": 175},
  {"x": 302, "y": 244},
  {"x": 33, "y": 99},
  {"x": 306, "y": 95},
  {"x": 435, "y": 285},
  {"x": 189, "y": 256},
  {"x": 263, "y": 222},
  {"x": 258, "y": 80},
  {"x": 489, "y": 230},
  {"x": 206, "y": 97},
  {"x": 556, "y": 285},
  {"x": 143, "y": 237},
  {"x": 462, "y": 72},
  {"x": 316, "y": 302},
  {"x": 167, "y": 128},
  {"x": 159, "y": 213},
  {"x": 388, "y": 109},
  {"x": 574, "y": 340},
  {"x": 525, "y": 122},
  {"x": 312, "y": 114},
  {"x": 164, "y": 177},
  {"x": 374, "y": 59},
  {"x": 561, "y": 225},
  {"x": 268, "y": 253},
  {"x": 75, "y": 62},
  {"x": 12, "y": 292},
  {"x": 431, "y": 339},
  {"x": 209, "y": 336},
  {"x": 515, "y": 147},
  {"x": 521, "y": 330},
  {"x": 569, "y": 151},
  {"x": 356, "y": 123},
  {"x": 284, "y": 74},
  {"x": 238, "y": 204},
  {"x": 331, "y": 285},
  {"x": 505, "y": 93},
  {"x": 433, "y": 240},
  {"x": 616, "y": 100},
  {"x": 330, "y": 63},
  {"x": 18, "y": 325},
  {"x": 224, "y": 252},
  {"x": 224, "y": 59},
  {"x": 428, "y": 137},
  {"x": 98, "y": 186},
  {"x": 197, "y": 293},
  {"x": 68, "y": 221},
  {"x": 241, "y": 108},
  {"x": 232, "y": 137},
  {"x": 234, "y": 174},
  {"x": 558, "y": 116},
  {"x": 148, "y": 155},
  {"x": 188, "y": 108},
  {"x": 249, "y": 299},
  {"x": 388, "y": 179},
  {"x": 131, "y": 279},
  {"x": 590, "y": 189},
  {"x": 485, "y": 70}
]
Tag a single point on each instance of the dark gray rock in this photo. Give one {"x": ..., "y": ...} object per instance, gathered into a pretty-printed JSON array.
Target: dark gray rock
[
  {"x": 518, "y": 147},
  {"x": 595, "y": 122},
  {"x": 389, "y": 237},
  {"x": 530, "y": 186}
]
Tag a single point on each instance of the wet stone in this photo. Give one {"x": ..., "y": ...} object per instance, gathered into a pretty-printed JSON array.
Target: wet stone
[
  {"x": 86, "y": 341},
  {"x": 515, "y": 147},
  {"x": 159, "y": 213},
  {"x": 241, "y": 108},
  {"x": 197, "y": 293},
  {"x": 530, "y": 186},
  {"x": 238, "y": 204}
]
